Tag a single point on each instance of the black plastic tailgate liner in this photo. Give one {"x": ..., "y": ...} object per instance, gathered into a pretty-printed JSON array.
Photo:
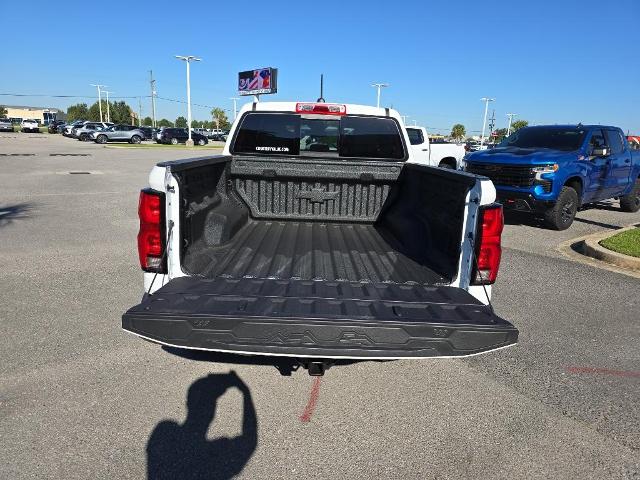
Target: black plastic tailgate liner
[{"x": 308, "y": 318}]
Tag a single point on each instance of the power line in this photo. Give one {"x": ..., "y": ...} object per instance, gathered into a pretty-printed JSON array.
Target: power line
[
  {"x": 95, "y": 98},
  {"x": 59, "y": 96}
]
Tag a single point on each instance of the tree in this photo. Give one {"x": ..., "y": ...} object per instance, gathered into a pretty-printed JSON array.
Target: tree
[
  {"x": 518, "y": 124},
  {"x": 147, "y": 121},
  {"x": 164, "y": 123},
  {"x": 220, "y": 118},
  {"x": 3, "y": 111},
  {"x": 120, "y": 112},
  {"x": 500, "y": 134},
  {"x": 79, "y": 111},
  {"x": 458, "y": 131},
  {"x": 197, "y": 124},
  {"x": 181, "y": 122},
  {"x": 94, "y": 112}
]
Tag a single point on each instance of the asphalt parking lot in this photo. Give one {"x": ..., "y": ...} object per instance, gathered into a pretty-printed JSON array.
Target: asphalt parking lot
[{"x": 79, "y": 398}]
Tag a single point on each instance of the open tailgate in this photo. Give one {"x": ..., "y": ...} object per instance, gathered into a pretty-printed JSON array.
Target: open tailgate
[{"x": 306, "y": 318}]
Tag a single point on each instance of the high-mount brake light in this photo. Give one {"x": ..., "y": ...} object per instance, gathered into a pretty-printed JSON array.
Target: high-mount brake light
[
  {"x": 488, "y": 245},
  {"x": 151, "y": 237},
  {"x": 321, "y": 108}
]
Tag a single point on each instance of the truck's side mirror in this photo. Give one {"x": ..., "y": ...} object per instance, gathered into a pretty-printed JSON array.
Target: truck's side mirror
[{"x": 600, "y": 152}]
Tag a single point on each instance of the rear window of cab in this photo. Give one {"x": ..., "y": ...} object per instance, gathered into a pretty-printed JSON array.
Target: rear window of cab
[{"x": 318, "y": 135}]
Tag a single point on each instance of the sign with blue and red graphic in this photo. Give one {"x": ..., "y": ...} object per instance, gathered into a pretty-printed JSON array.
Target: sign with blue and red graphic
[{"x": 258, "y": 82}]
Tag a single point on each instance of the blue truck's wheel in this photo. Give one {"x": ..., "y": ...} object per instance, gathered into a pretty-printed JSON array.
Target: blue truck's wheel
[
  {"x": 631, "y": 202},
  {"x": 561, "y": 215}
]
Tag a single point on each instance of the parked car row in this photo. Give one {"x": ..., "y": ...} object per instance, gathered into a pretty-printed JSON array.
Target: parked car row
[
  {"x": 174, "y": 136},
  {"x": 104, "y": 132},
  {"x": 26, "y": 125}
]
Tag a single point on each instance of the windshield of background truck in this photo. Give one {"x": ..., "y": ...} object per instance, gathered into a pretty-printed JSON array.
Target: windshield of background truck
[
  {"x": 565, "y": 139},
  {"x": 315, "y": 135}
]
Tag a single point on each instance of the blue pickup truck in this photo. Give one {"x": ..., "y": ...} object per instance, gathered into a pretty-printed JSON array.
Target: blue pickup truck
[{"x": 552, "y": 170}]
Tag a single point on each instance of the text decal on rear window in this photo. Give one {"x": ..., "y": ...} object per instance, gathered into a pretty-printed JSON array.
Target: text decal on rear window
[{"x": 272, "y": 149}]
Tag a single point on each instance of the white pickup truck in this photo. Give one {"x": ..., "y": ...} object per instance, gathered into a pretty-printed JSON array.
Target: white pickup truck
[
  {"x": 443, "y": 155},
  {"x": 313, "y": 236}
]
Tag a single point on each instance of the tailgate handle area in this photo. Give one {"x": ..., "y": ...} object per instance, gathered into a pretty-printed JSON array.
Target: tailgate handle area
[
  {"x": 270, "y": 173},
  {"x": 367, "y": 177}
]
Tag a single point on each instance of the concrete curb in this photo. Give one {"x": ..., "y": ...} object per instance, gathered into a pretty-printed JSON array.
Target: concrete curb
[
  {"x": 593, "y": 248},
  {"x": 577, "y": 250}
]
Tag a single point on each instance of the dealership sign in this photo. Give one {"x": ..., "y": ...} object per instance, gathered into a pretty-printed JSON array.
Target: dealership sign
[{"x": 258, "y": 82}]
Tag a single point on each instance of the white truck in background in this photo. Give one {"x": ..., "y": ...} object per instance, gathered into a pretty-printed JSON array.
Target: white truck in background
[{"x": 444, "y": 155}]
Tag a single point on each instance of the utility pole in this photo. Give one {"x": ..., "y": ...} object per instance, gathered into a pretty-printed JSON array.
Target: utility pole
[
  {"x": 139, "y": 112},
  {"x": 108, "y": 111},
  {"x": 379, "y": 86},
  {"x": 188, "y": 59},
  {"x": 404, "y": 118},
  {"x": 99, "y": 97},
  {"x": 235, "y": 107},
  {"x": 492, "y": 123},
  {"x": 486, "y": 101},
  {"x": 153, "y": 98},
  {"x": 510, "y": 115}
]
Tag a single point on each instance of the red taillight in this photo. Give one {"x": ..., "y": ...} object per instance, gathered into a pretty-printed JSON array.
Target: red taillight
[
  {"x": 321, "y": 108},
  {"x": 151, "y": 237},
  {"x": 488, "y": 247}
]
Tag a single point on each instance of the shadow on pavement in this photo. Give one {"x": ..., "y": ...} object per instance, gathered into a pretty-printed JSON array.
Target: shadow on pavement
[
  {"x": 182, "y": 451},
  {"x": 512, "y": 217},
  {"x": 10, "y": 213},
  {"x": 597, "y": 224},
  {"x": 285, "y": 365},
  {"x": 611, "y": 207}
]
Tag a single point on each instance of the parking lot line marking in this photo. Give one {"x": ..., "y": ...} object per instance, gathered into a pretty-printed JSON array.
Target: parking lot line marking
[
  {"x": 603, "y": 371},
  {"x": 313, "y": 400}
]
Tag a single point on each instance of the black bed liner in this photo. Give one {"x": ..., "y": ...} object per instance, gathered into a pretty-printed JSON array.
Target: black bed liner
[
  {"x": 312, "y": 251},
  {"x": 309, "y": 318}
]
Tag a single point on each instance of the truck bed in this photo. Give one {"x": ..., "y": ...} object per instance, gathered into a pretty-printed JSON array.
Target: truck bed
[
  {"x": 311, "y": 251},
  {"x": 351, "y": 259}
]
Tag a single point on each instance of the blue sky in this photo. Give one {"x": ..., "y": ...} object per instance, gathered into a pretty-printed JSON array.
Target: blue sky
[{"x": 550, "y": 61}]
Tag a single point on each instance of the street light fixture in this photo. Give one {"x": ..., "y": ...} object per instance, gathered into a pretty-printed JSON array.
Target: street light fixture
[
  {"x": 188, "y": 59},
  {"x": 486, "y": 101},
  {"x": 99, "y": 97},
  {"x": 235, "y": 108},
  {"x": 379, "y": 86}
]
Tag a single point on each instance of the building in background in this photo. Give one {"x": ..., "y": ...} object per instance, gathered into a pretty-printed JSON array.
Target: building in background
[{"x": 42, "y": 114}]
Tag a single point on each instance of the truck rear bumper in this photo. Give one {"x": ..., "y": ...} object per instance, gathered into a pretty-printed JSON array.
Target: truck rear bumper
[{"x": 316, "y": 319}]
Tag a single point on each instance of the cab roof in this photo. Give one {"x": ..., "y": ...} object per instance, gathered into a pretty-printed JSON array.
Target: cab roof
[{"x": 351, "y": 109}]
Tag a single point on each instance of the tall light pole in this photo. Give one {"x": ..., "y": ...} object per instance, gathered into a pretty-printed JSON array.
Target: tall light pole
[
  {"x": 235, "y": 108},
  {"x": 188, "y": 59},
  {"x": 108, "y": 111},
  {"x": 99, "y": 97},
  {"x": 153, "y": 99},
  {"x": 486, "y": 101},
  {"x": 379, "y": 86},
  {"x": 510, "y": 115}
]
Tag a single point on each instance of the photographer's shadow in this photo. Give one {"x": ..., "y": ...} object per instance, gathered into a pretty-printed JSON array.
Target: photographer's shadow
[{"x": 176, "y": 451}]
